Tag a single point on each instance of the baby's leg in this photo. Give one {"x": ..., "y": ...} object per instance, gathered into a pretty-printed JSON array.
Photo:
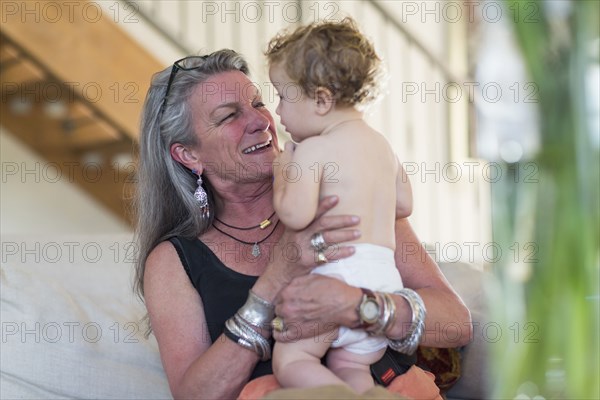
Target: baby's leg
[
  {"x": 353, "y": 368},
  {"x": 298, "y": 363}
]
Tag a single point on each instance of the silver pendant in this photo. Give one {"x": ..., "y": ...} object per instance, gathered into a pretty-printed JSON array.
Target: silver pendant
[{"x": 255, "y": 250}]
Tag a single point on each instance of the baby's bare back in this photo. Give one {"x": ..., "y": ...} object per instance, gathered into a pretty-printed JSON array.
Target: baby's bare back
[{"x": 360, "y": 168}]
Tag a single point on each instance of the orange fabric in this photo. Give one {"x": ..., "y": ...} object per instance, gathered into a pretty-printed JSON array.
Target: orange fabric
[
  {"x": 259, "y": 387},
  {"x": 414, "y": 384}
]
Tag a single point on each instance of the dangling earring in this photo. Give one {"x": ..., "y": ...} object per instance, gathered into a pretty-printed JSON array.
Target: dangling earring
[{"x": 201, "y": 196}]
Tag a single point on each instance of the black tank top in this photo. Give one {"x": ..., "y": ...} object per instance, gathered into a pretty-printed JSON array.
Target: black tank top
[{"x": 223, "y": 290}]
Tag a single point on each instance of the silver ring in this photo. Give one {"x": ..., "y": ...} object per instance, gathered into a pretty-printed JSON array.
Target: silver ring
[
  {"x": 278, "y": 324},
  {"x": 317, "y": 241},
  {"x": 321, "y": 259}
]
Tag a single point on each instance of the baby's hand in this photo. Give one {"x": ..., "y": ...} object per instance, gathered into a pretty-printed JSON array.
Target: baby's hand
[
  {"x": 289, "y": 146},
  {"x": 283, "y": 159}
]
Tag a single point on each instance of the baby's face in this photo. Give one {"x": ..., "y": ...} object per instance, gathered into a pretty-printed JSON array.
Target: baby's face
[{"x": 296, "y": 109}]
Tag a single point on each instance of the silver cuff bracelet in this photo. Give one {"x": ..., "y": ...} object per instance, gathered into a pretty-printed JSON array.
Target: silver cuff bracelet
[
  {"x": 257, "y": 311},
  {"x": 248, "y": 337},
  {"x": 409, "y": 344}
]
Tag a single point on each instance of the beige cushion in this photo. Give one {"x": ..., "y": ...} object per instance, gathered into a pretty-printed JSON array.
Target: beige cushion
[
  {"x": 470, "y": 282},
  {"x": 70, "y": 323}
]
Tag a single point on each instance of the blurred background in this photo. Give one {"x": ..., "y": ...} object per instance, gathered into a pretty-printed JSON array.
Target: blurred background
[
  {"x": 492, "y": 106},
  {"x": 74, "y": 77}
]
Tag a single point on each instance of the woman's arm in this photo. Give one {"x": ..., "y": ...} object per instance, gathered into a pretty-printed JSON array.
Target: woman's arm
[
  {"x": 319, "y": 302},
  {"x": 448, "y": 321},
  {"x": 195, "y": 367}
]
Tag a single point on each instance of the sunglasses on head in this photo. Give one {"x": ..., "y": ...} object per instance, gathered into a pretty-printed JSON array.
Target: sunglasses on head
[{"x": 184, "y": 64}]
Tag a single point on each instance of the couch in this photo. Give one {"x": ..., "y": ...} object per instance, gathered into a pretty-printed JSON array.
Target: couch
[{"x": 71, "y": 326}]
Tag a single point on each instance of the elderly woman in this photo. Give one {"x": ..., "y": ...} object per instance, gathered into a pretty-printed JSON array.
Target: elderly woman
[{"x": 215, "y": 264}]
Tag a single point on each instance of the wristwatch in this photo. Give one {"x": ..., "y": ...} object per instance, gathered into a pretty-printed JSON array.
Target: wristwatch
[{"x": 368, "y": 309}]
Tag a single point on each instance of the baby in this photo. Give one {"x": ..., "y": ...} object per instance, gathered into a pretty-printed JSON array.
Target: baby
[{"x": 323, "y": 73}]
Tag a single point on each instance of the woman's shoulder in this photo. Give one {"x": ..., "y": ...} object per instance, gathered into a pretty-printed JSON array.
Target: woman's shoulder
[
  {"x": 163, "y": 271},
  {"x": 175, "y": 247},
  {"x": 162, "y": 254},
  {"x": 190, "y": 253}
]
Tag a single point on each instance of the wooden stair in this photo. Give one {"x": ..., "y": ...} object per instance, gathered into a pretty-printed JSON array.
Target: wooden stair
[{"x": 72, "y": 89}]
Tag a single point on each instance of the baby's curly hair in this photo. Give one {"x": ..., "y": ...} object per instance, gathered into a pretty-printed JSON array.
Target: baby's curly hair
[{"x": 334, "y": 55}]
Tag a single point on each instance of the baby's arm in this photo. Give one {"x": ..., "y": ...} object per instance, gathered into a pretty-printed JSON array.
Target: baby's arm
[
  {"x": 404, "y": 201},
  {"x": 296, "y": 185}
]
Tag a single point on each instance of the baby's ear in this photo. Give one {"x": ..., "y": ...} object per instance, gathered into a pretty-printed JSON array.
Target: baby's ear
[{"x": 324, "y": 100}]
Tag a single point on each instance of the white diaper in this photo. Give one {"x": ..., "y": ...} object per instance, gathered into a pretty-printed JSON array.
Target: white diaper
[{"x": 372, "y": 267}]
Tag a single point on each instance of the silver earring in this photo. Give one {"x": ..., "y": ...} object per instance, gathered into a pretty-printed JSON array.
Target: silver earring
[{"x": 200, "y": 195}]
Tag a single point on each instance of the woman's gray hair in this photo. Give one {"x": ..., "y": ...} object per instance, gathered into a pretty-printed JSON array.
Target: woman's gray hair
[{"x": 164, "y": 203}]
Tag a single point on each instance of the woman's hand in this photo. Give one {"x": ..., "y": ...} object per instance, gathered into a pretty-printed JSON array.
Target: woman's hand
[
  {"x": 294, "y": 256},
  {"x": 298, "y": 254},
  {"x": 314, "y": 304}
]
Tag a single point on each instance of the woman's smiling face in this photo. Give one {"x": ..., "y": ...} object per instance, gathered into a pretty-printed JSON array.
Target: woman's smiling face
[{"x": 235, "y": 130}]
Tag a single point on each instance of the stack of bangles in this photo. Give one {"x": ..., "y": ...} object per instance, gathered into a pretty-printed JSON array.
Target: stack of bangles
[
  {"x": 258, "y": 313},
  {"x": 255, "y": 313},
  {"x": 408, "y": 344}
]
